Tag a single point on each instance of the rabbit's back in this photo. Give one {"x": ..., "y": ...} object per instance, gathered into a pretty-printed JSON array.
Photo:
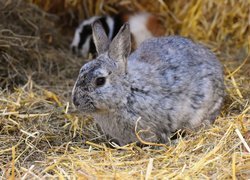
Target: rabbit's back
[
  {"x": 183, "y": 81},
  {"x": 174, "y": 60},
  {"x": 174, "y": 50}
]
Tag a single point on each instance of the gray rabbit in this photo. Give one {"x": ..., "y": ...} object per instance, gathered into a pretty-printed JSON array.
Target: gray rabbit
[{"x": 170, "y": 82}]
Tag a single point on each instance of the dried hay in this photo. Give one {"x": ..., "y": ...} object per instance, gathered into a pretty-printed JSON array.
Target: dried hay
[{"x": 42, "y": 137}]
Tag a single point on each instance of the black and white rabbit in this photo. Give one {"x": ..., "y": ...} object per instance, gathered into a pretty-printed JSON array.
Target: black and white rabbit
[
  {"x": 142, "y": 27},
  {"x": 170, "y": 82}
]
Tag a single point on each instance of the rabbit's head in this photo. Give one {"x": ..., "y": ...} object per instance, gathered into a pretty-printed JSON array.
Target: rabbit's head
[{"x": 102, "y": 83}]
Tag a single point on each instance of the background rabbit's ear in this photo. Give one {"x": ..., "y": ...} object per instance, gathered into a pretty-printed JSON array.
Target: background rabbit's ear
[
  {"x": 100, "y": 37},
  {"x": 120, "y": 47}
]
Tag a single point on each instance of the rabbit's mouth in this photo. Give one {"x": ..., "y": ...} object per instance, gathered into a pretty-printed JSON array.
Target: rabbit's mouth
[
  {"x": 87, "y": 108},
  {"x": 84, "y": 105}
]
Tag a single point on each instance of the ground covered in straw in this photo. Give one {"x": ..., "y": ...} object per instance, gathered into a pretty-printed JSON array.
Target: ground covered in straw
[{"x": 41, "y": 134}]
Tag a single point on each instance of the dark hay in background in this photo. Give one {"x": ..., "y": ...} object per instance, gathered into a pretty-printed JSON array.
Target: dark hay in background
[{"x": 42, "y": 136}]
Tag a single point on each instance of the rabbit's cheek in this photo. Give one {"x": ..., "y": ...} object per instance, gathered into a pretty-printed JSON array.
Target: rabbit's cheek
[{"x": 100, "y": 101}]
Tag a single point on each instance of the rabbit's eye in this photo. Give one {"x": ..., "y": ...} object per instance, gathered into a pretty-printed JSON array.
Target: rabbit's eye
[{"x": 100, "y": 81}]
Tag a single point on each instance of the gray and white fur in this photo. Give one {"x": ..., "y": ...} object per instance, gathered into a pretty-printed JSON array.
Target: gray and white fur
[{"x": 170, "y": 82}]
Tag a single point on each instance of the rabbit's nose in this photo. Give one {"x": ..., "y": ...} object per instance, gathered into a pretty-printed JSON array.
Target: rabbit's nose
[{"x": 75, "y": 101}]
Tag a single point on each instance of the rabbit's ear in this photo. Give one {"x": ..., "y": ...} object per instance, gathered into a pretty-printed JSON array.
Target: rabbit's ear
[
  {"x": 120, "y": 47},
  {"x": 100, "y": 37}
]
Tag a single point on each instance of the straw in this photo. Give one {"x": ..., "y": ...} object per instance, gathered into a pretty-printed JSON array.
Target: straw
[{"x": 42, "y": 136}]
